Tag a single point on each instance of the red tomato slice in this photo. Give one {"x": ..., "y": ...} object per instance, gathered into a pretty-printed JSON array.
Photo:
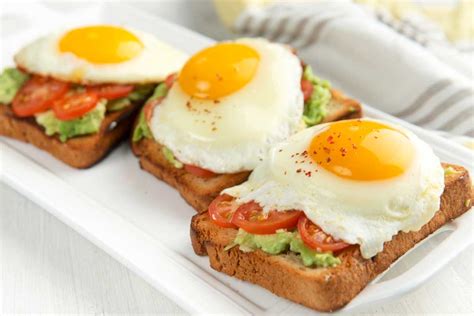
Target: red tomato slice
[
  {"x": 37, "y": 95},
  {"x": 170, "y": 80},
  {"x": 75, "y": 104},
  {"x": 111, "y": 91},
  {"x": 222, "y": 209},
  {"x": 149, "y": 107},
  {"x": 250, "y": 217},
  {"x": 314, "y": 237},
  {"x": 307, "y": 88},
  {"x": 200, "y": 172}
]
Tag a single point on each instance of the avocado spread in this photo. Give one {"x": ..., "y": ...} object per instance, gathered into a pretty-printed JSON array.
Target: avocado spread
[
  {"x": 171, "y": 158},
  {"x": 449, "y": 171},
  {"x": 11, "y": 81},
  {"x": 315, "y": 108},
  {"x": 142, "y": 130},
  {"x": 87, "y": 124},
  {"x": 139, "y": 93},
  {"x": 284, "y": 241}
]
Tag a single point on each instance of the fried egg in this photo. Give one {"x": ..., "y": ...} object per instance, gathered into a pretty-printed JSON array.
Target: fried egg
[
  {"x": 362, "y": 181},
  {"x": 231, "y": 102},
  {"x": 101, "y": 54}
]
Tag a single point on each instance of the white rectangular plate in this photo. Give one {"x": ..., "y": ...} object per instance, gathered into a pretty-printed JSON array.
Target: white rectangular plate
[{"x": 144, "y": 223}]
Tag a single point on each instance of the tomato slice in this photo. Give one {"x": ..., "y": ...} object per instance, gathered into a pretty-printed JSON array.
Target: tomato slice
[
  {"x": 314, "y": 237},
  {"x": 222, "y": 209},
  {"x": 170, "y": 80},
  {"x": 150, "y": 106},
  {"x": 37, "y": 95},
  {"x": 111, "y": 91},
  {"x": 251, "y": 218},
  {"x": 75, "y": 104},
  {"x": 200, "y": 172},
  {"x": 307, "y": 88}
]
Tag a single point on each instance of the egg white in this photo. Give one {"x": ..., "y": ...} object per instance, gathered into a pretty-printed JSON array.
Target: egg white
[
  {"x": 367, "y": 213},
  {"x": 234, "y": 133},
  {"x": 153, "y": 64}
]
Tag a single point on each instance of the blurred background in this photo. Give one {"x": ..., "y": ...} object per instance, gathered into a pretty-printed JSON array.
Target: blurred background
[{"x": 454, "y": 18}]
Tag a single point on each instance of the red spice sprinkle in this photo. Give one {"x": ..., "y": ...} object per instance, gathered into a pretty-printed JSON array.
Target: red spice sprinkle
[
  {"x": 327, "y": 150},
  {"x": 308, "y": 174},
  {"x": 330, "y": 140},
  {"x": 328, "y": 160}
]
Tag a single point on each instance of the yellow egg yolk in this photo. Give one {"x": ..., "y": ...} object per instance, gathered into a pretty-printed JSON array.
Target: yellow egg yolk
[
  {"x": 101, "y": 44},
  {"x": 362, "y": 150},
  {"x": 219, "y": 70}
]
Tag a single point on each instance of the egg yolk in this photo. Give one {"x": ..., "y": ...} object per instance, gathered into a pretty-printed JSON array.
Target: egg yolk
[
  {"x": 219, "y": 70},
  {"x": 101, "y": 44},
  {"x": 362, "y": 150}
]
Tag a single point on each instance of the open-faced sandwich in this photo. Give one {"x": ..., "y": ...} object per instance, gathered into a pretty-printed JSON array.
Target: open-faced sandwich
[
  {"x": 330, "y": 209},
  {"x": 73, "y": 93},
  {"x": 206, "y": 129}
]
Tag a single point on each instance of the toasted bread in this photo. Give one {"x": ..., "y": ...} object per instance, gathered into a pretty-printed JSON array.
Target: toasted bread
[
  {"x": 323, "y": 289},
  {"x": 79, "y": 152},
  {"x": 199, "y": 192}
]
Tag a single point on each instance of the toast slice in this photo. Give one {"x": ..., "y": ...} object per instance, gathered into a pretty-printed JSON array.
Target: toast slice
[
  {"x": 323, "y": 289},
  {"x": 199, "y": 192},
  {"x": 79, "y": 152}
]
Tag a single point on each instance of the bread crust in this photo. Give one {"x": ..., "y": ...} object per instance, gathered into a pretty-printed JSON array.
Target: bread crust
[
  {"x": 78, "y": 152},
  {"x": 199, "y": 192},
  {"x": 323, "y": 289}
]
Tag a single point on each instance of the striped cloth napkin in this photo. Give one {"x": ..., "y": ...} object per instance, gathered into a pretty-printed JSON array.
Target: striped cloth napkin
[{"x": 393, "y": 68}]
